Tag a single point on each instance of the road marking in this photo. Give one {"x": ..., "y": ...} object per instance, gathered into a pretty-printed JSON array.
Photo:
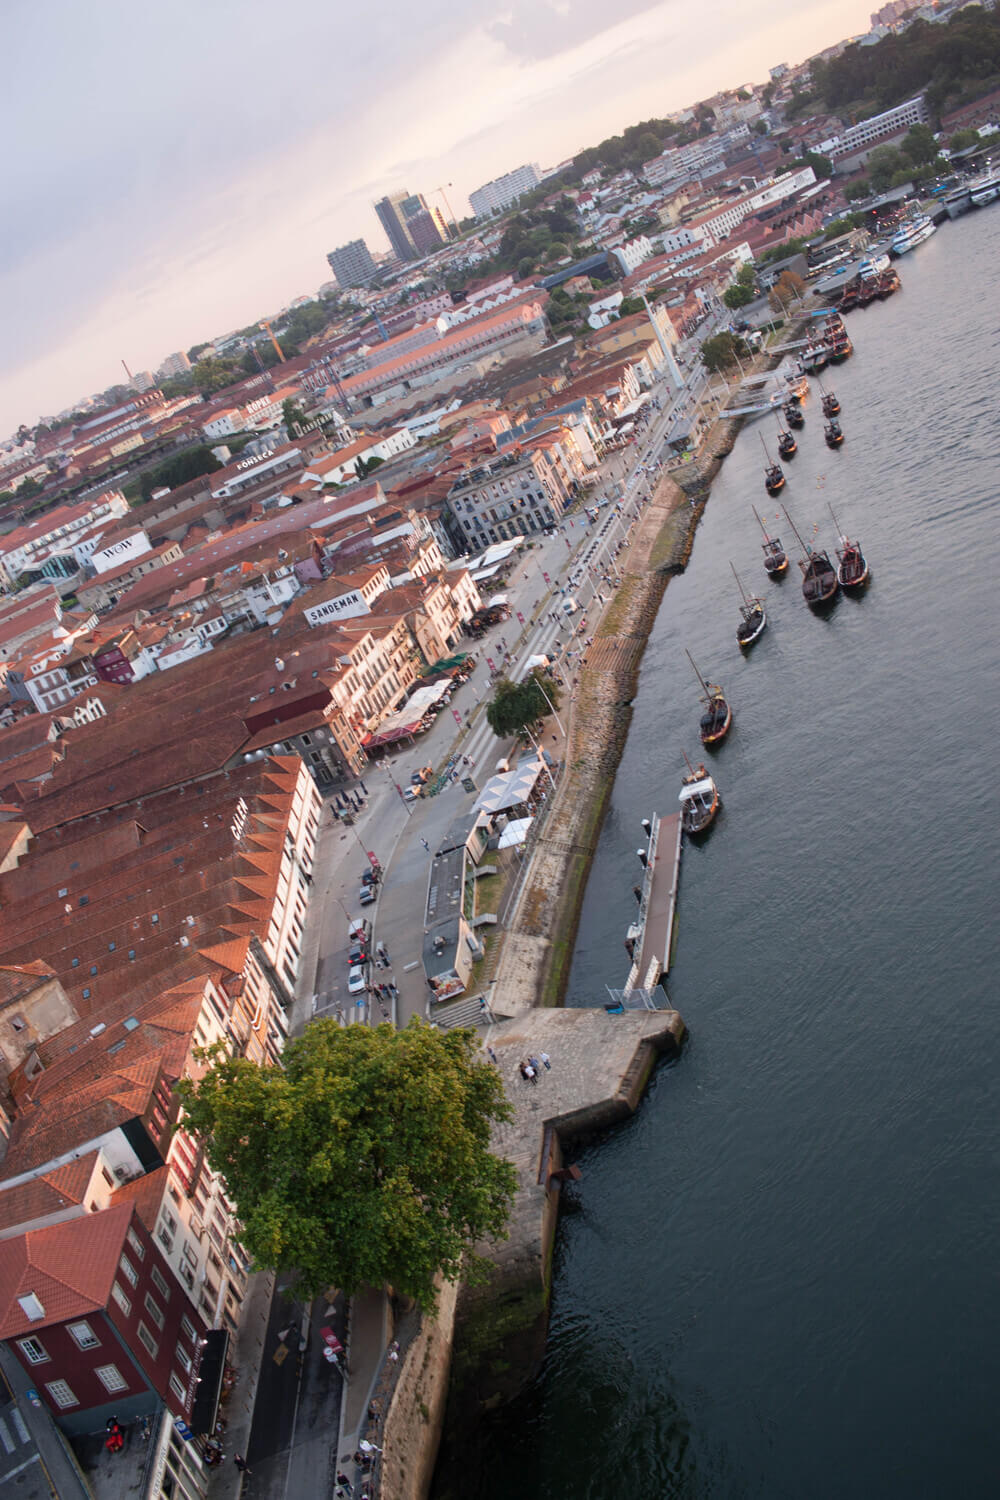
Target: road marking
[
  {"x": 5, "y": 1437},
  {"x": 19, "y": 1423}
]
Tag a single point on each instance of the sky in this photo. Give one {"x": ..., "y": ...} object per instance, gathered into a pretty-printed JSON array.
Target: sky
[{"x": 174, "y": 172}]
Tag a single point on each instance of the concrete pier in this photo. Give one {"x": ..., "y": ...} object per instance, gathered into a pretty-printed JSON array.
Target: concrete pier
[{"x": 651, "y": 935}]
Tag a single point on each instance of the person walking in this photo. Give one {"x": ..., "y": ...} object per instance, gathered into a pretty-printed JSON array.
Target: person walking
[
  {"x": 546, "y": 1061},
  {"x": 535, "y": 1064},
  {"x": 241, "y": 1463},
  {"x": 344, "y": 1482},
  {"x": 492, "y": 1056},
  {"x": 426, "y": 845}
]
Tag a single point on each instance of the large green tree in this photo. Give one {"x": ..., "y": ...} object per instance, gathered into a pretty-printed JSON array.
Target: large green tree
[
  {"x": 721, "y": 351},
  {"x": 516, "y": 705},
  {"x": 364, "y": 1159}
]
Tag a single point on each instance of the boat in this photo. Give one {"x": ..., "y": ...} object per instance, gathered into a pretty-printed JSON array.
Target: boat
[
  {"x": 986, "y": 187},
  {"x": 849, "y": 298},
  {"x": 834, "y": 433},
  {"x": 718, "y": 716},
  {"x": 813, "y": 359},
  {"x": 888, "y": 283},
  {"x": 852, "y": 565},
  {"x": 699, "y": 799},
  {"x": 787, "y": 446},
  {"x": 819, "y": 576},
  {"x": 958, "y": 201},
  {"x": 753, "y": 620},
  {"x": 873, "y": 265},
  {"x": 793, "y": 414},
  {"x": 774, "y": 474},
  {"x": 775, "y": 558},
  {"x": 830, "y": 403},
  {"x": 912, "y": 232}
]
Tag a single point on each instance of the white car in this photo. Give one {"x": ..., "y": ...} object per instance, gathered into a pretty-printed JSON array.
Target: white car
[{"x": 357, "y": 980}]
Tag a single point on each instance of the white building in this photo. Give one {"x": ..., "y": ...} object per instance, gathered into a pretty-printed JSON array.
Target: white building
[
  {"x": 632, "y": 254},
  {"x": 493, "y": 197},
  {"x": 713, "y": 227},
  {"x": 891, "y": 122}
]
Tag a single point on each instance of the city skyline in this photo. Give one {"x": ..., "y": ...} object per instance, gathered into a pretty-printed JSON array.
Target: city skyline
[{"x": 175, "y": 178}]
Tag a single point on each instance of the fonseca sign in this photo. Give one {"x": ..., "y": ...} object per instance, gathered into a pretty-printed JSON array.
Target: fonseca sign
[
  {"x": 120, "y": 552},
  {"x": 344, "y": 607}
]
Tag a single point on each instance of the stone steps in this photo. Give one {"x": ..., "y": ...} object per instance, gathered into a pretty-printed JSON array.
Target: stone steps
[{"x": 464, "y": 1012}]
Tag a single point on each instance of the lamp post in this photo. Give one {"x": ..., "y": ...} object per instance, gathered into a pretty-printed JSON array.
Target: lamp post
[{"x": 551, "y": 705}]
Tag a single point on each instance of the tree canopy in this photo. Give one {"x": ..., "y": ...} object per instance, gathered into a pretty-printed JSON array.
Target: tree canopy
[
  {"x": 516, "y": 705},
  {"x": 364, "y": 1159},
  {"x": 737, "y": 296},
  {"x": 721, "y": 351}
]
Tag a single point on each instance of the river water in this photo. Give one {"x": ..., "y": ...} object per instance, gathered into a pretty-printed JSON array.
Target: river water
[{"x": 780, "y": 1278}]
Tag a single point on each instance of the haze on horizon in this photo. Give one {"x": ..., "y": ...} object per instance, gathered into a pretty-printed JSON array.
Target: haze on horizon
[{"x": 172, "y": 174}]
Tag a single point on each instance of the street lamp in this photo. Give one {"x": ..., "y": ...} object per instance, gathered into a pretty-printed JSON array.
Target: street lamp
[{"x": 551, "y": 705}]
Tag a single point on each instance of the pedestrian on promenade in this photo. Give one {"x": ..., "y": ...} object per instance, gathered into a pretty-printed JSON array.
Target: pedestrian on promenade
[
  {"x": 394, "y": 991},
  {"x": 344, "y": 1482},
  {"x": 546, "y": 1061},
  {"x": 426, "y": 845},
  {"x": 241, "y": 1463},
  {"x": 492, "y": 1056},
  {"x": 394, "y": 1351},
  {"x": 535, "y": 1064}
]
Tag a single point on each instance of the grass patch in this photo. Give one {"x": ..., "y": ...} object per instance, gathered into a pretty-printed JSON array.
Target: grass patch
[
  {"x": 617, "y": 611},
  {"x": 488, "y": 892}
]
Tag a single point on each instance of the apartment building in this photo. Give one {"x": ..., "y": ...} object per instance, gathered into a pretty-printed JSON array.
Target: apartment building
[
  {"x": 352, "y": 264},
  {"x": 28, "y": 547},
  {"x": 718, "y": 224},
  {"x": 508, "y": 496},
  {"x": 493, "y": 197},
  {"x": 870, "y": 132}
]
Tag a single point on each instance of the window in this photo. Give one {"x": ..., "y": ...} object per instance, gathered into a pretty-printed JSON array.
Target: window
[
  {"x": 177, "y": 1386},
  {"x": 33, "y": 1351},
  {"x": 187, "y": 1329},
  {"x": 121, "y": 1299},
  {"x": 129, "y": 1271},
  {"x": 136, "y": 1244},
  {"x": 111, "y": 1378},
  {"x": 61, "y": 1393},
  {"x": 160, "y": 1282},
  {"x": 147, "y": 1340},
  {"x": 183, "y": 1358},
  {"x": 154, "y": 1309},
  {"x": 84, "y": 1336}
]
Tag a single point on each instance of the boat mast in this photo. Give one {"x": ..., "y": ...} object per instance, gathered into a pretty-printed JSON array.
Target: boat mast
[
  {"x": 760, "y": 523},
  {"x": 739, "y": 584},
  {"x": 806, "y": 550},
  {"x": 767, "y": 455},
  {"x": 704, "y": 684},
  {"x": 840, "y": 529}
]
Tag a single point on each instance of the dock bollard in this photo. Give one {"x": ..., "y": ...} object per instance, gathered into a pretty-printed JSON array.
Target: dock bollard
[
  {"x": 643, "y": 857},
  {"x": 647, "y": 827}
]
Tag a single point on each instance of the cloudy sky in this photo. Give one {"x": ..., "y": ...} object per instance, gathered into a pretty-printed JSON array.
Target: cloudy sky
[{"x": 172, "y": 172}]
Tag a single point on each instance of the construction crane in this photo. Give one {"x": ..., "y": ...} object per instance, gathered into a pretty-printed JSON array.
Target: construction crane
[
  {"x": 444, "y": 199},
  {"x": 277, "y": 347}
]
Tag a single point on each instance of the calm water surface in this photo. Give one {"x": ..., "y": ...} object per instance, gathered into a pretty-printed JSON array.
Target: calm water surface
[{"x": 780, "y": 1278}]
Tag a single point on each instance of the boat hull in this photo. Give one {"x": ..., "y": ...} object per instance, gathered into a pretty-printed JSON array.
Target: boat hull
[
  {"x": 754, "y": 628},
  {"x": 774, "y": 568},
  {"x": 851, "y": 579},
  {"x": 712, "y": 736},
  {"x": 698, "y": 822}
]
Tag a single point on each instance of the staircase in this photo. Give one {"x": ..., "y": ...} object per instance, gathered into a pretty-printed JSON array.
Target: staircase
[{"x": 464, "y": 1012}]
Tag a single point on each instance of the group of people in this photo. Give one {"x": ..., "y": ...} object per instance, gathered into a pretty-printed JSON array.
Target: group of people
[{"x": 530, "y": 1067}]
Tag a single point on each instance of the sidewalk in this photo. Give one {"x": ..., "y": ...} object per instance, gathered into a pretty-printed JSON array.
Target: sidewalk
[
  {"x": 246, "y": 1352},
  {"x": 36, "y": 1458}
]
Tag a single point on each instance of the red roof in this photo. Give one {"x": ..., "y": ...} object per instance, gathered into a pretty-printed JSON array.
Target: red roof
[{"x": 68, "y": 1267}]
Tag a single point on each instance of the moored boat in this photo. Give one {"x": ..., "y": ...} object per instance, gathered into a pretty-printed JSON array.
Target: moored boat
[
  {"x": 834, "y": 434},
  {"x": 774, "y": 474},
  {"x": 852, "y": 565},
  {"x": 888, "y": 283},
  {"x": 819, "y": 576},
  {"x": 986, "y": 187},
  {"x": 793, "y": 414},
  {"x": 718, "y": 716},
  {"x": 699, "y": 799},
  {"x": 753, "y": 620},
  {"x": 831, "y": 405},
  {"x": 787, "y": 446},
  {"x": 775, "y": 558},
  {"x": 958, "y": 201},
  {"x": 912, "y": 232}
]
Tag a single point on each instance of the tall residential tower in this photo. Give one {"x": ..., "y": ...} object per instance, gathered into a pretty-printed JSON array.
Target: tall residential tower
[{"x": 413, "y": 227}]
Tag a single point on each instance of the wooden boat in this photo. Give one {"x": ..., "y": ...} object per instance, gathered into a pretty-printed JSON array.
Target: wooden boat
[
  {"x": 813, "y": 359},
  {"x": 819, "y": 576},
  {"x": 834, "y": 434},
  {"x": 753, "y": 620},
  {"x": 718, "y": 716},
  {"x": 840, "y": 349},
  {"x": 774, "y": 474},
  {"x": 849, "y": 301},
  {"x": 775, "y": 558},
  {"x": 852, "y": 565},
  {"x": 831, "y": 406},
  {"x": 699, "y": 799},
  {"x": 888, "y": 282},
  {"x": 793, "y": 414},
  {"x": 787, "y": 446}
]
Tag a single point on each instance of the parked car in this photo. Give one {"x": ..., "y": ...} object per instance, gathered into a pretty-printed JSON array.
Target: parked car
[
  {"x": 411, "y": 793},
  {"x": 358, "y": 953},
  {"x": 360, "y": 930},
  {"x": 371, "y": 876},
  {"x": 357, "y": 980},
  {"x": 367, "y": 895}
]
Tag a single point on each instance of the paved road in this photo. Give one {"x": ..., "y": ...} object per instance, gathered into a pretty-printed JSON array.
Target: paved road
[{"x": 296, "y": 1417}]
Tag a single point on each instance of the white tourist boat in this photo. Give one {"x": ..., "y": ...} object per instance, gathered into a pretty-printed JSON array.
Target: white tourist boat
[
  {"x": 986, "y": 187},
  {"x": 913, "y": 231}
]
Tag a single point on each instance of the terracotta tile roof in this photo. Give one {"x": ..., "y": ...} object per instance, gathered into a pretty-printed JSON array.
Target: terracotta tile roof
[
  {"x": 52, "y": 1193},
  {"x": 145, "y": 1194},
  {"x": 69, "y": 1268}
]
